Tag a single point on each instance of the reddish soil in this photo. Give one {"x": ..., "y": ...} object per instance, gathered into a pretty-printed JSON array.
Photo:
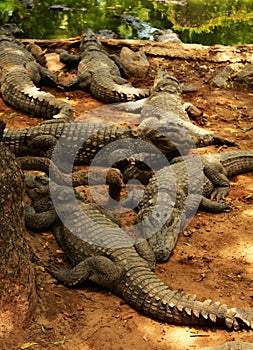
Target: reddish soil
[{"x": 213, "y": 257}]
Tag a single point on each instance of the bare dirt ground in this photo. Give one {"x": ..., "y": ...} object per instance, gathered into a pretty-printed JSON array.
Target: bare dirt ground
[{"x": 213, "y": 257}]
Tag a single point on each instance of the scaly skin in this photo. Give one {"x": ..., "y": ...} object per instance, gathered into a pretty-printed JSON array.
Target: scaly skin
[
  {"x": 98, "y": 72},
  {"x": 20, "y": 73},
  {"x": 104, "y": 254},
  {"x": 165, "y": 105},
  {"x": 37, "y": 187},
  {"x": 166, "y": 96},
  {"x": 174, "y": 194},
  {"x": 169, "y": 140}
]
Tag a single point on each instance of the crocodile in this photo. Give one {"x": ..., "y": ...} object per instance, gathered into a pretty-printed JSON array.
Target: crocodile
[
  {"x": 174, "y": 194},
  {"x": 101, "y": 252},
  {"x": 99, "y": 73},
  {"x": 143, "y": 31},
  {"x": 19, "y": 77},
  {"x": 166, "y": 96},
  {"x": 167, "y": 140},
  {"x": 41, "y": 140},
  {"x": 165, "y": 103}
]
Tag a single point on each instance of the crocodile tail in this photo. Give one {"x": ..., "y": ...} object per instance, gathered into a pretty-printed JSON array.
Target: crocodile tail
[
  {"x": 235, "y": 162},
  {"x": 31, "y": 100},
  {"x": 146, "y": 293},
  {"x": 117, "y": 92}
]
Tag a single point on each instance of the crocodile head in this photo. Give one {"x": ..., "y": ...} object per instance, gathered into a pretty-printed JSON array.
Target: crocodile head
[
  {"x": 170, "y": 138},
  {"x": 164, "y": 240},
  {"x": 11, "y": 30},
  {"x": 89, "y": 41},
  {"x": 166, "y": 82},
  {"x": 37, "y": 186}
]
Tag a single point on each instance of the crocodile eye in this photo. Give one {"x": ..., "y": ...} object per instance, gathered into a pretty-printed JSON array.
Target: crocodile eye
[{"x": 44, "y": 181}]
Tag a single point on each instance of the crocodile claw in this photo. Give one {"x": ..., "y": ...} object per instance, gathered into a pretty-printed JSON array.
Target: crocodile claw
[
  {"x": 221, "y": 141},
  {"x": 220, "y": 193}
]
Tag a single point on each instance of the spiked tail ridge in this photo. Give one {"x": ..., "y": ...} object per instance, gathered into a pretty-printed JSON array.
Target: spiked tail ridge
[
  {"x": 111, "y": 92},
  {"x": 33, "y": 101},
  {"x": 146, "y": 293}
]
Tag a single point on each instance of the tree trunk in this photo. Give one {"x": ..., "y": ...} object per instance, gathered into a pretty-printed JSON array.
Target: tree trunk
[{"x": 17, "y": 280}]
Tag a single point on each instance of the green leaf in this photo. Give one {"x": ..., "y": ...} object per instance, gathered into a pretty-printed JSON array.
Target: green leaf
[
  {"x": 43, "y": 329},
  {"x": 60, "y": 342},
  {"x": 27, "y": 345},
  {"x": 11, "y": 115},
  {"x": 41, "y": 268},
  {"x": 249, "y": 196}
]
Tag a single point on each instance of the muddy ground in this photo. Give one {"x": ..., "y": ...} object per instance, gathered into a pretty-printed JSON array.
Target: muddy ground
[{"x": 213, "y": 257}]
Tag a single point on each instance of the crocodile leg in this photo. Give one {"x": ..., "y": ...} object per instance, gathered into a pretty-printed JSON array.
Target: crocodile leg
[
  {"x": 37, "y": 221},
  {"x": 38, "y": 53},
  {"x": 98, "y": 269},
  {"x": 39, "y": 74},
  {"x": 47, "y": 77},
  {"x": 216, "y": 173},
  {"x": 68, "y": 59},
  {"x": 43, "y": 145},
  {"x": 211, "y": 206}
]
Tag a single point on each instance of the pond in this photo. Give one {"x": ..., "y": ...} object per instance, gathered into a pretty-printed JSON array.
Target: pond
[{"x": 207, "y": 22}]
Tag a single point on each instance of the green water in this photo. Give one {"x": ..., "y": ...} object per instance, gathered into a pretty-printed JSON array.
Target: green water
[{"x": 207, "y": 22}]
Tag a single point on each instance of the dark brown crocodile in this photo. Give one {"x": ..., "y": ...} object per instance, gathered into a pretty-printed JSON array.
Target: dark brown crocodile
[
  {"x": 20, "y": 75},
  {"x": 103, "y": 253},
  {"x": 99, "y": 73},
  {"x": 174, "y": 194}
]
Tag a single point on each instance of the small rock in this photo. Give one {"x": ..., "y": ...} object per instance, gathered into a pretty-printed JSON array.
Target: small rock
[
  {"x": 223, "y": 78},
  {"x": 245, "y": 76},
  {"x": 134, "y": 63}
]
